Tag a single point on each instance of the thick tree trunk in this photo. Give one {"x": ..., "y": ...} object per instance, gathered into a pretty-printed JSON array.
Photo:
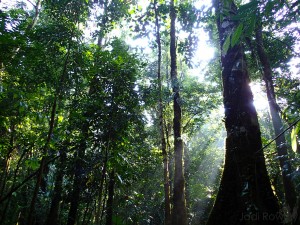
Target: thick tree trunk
[
  {"x": 161, "y": 123},
  {"x": 168, "y": 128},
  {"x": 245, "y": 195},
  {"x": 179, "y": 214},
  {"x": 281, "y": 144},
  {"x": 109, "y": 204}
]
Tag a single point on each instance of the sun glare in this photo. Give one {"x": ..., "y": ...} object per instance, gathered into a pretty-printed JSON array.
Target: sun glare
[{"x": 260, "y": 97}]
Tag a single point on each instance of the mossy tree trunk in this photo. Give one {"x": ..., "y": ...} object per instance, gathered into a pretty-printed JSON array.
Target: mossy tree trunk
[
  {"x": 245, "y": 195},
  {"x": 179, "y": 213}
]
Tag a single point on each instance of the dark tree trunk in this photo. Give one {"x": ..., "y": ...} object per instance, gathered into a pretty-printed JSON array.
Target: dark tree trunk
[
  {"x": 168, "y": 128},
  {"x": 110, "y": 200},
  {"x": 245, "y": 195},
  {"x": 53, "y": 215},
  {"x": 103, "y": 23},
  {"x": 103, "y": 174},
  {"x": 42, "y": 164},
  {"x": 179, "y": 214},
  {"x": 78, "y": 184},
  {"x": 4, "y": 173},
  {"x": 104, "y": 199},
  {"x": 161, "y": 122},
  {"x": 187, "y": 162},
  {"x": 281, "y": 144}
]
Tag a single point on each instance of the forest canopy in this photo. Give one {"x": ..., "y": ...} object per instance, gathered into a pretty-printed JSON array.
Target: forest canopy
[{"x": 123, "y": 112}]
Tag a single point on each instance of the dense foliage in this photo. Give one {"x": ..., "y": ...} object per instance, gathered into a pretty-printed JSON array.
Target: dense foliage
[{"x": 82, "y": 107}]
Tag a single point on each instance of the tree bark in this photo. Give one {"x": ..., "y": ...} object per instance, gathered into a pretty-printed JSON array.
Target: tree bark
[
  {"x": 281, "y": 144},
  {"x": 103, "y": 174},
  {"x": 245, "y": 195},
  {"x": 109, "y": 204},
  {"x": 36, "y": 14},
  {"x": 42, "y": 164},
  {"x": 78, "y": 183},
  {"x": 161, "y": 122},
  {"x": 179, "y": 214},
  {"x": 6, "y": 161},
  {"x": 57, "y": 193}
]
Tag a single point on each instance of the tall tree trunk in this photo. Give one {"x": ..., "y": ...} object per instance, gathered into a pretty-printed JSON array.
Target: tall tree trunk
[
  {"x": 179, "y": 214},
  {"x": 245, "y": 195},
  {"x": 57, "y": 193},
  {"x": 37, "y": 8},
  {"x": 103, "y": 174},
  {"x": 42, "y": 164},
  {"x": 187, "y": 162},
  {"x": 78, "y": 183},
  {"x": 109, "y": 204},
  {"x": 168, "y": 128},
  {"x": 281, "y": 144},
  {"x": 4, "y": 173},
  {"x": 104, "y": 199},
  {"x": 161, "y": 122}
]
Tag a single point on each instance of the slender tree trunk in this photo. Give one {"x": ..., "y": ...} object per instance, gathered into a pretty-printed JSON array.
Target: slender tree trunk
[
  {"x": 78, "y": 183},
  {"x": 53, "y": 215},
  {"x": 86, "y": 213},
  {"x": 109, "y": 204},
  {"x": 6, "y": 161},
  {"x": 24, "y": 200},
  {"x": 245, "y": 195},
  {"x": 42, "y": 165},
  {"x": 281, "y": 144},
  {"x": 179, "y": 214},
  {"x": 187, "y": 162},
  {"x": 104, "y": 199},
  {"x": 37, "y": 9},
  {"x": 168, "y": 127},
  {"x": 7, "y": 198},
  {"x": 103, "y": 23},
  {"x": 103, "y": 174},
  {"x": 161, "y": 122}
]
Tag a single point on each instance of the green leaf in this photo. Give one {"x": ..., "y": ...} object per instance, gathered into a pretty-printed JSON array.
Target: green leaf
[
  {"x": 117, "y": 220},
  {"x": 251, "y": 26},
  {"x": 226, "y": 44},
  {"x": 236, "y": 35},
  {"x": 32, "y": 163},
  {"x": 252, "y": 5},
  {"x": 60, "y": 119}
]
